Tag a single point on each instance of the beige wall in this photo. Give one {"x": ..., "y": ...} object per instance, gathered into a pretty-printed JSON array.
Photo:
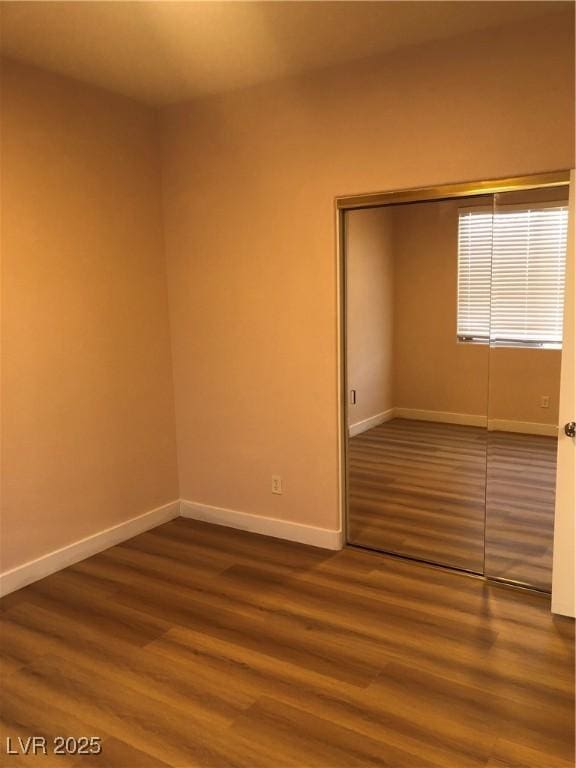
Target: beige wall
[
  {"x": 88, "y": 438},
  {"x": 518, "y": 379},
  {"x": 370, "y": 318},
  {"x": 432, "y": 371},
  {"x": 249, "y": 186}
]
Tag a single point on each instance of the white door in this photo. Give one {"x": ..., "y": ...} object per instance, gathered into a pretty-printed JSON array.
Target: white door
[{"x": 563, "y": 570}]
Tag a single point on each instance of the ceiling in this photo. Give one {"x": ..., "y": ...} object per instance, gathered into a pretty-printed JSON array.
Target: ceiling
[{"x": 163, "y": 51}]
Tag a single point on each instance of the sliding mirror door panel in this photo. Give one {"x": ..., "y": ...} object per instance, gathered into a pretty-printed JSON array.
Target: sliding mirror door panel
[
  {"x": 526, "y": 306},
  {"x": 417, "y": 327}
]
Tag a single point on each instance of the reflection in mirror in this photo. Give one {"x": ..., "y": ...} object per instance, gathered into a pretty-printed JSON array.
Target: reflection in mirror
[
  {"x": 417, "y": 378},
  {"x": 526, "y": 308}
]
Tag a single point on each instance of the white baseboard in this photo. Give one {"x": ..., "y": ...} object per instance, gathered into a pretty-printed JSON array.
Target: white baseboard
[
  {"x": 268, "y": 526},
  {"x": 43, "y": 566},
  {"x": 563, "y": 608},
  {"x": 523, "y": 427},
  {"x": 448, "y": 417},
  {"x": 445, "y": 417},
  {"x": 373, "y": 421}
]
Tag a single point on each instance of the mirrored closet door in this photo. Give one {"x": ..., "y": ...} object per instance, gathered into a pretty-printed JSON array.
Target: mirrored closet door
[
  {"x": 453, "y": 335},
  {"x": 418, "y": 383}
]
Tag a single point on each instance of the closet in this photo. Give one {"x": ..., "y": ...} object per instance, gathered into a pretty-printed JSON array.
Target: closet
[{"x": 453, "y": 332}]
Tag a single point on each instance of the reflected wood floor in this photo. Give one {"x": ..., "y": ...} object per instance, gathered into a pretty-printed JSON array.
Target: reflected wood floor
[
  {"x": 420, "y": 488},
  {"x": 193, "y": 645},
  {"x": 520, "y": 497}
]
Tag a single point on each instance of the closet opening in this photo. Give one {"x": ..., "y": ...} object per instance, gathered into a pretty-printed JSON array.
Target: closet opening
[{"x": 452, "y": 334}]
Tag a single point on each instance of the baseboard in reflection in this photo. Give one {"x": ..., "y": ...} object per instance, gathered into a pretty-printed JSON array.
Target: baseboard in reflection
[
  {"x": 522, "y": 427},
  {"x": 373, "y": 421},
  {"x": 446, "y": 417}
]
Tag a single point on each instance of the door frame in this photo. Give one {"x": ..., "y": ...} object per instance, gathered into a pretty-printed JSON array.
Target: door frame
[
  {"x": 563, "y": 568},
  {"x": 345, "y": 203}
]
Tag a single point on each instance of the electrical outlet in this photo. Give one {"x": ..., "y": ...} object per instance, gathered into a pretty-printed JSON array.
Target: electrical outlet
[
  {"x": 277, "y": 484},
  {"x": 545, "y": 401}
]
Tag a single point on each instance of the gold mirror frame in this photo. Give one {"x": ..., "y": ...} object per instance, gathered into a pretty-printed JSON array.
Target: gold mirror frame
[{"x": 467, "y": 189}]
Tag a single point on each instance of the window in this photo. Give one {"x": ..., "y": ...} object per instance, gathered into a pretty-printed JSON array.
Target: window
[{"x": 511, "y": 274}]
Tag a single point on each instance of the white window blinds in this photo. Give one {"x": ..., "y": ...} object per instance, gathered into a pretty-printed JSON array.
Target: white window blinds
[
  {"x": 474, "y": 267},
  {"x": 511, "y": 266},
  {"x": 528, "y": 265}
]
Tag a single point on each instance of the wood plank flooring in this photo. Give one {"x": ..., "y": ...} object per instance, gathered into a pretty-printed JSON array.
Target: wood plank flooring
[
  {"x": 198, "y": 646},
  {"x": 422, "y": 489}
]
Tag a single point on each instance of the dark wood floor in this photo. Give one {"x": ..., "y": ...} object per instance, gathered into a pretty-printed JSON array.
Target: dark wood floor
[
  {"x": 422, "y": 489},
  {"x": 193, "y": 645}
]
